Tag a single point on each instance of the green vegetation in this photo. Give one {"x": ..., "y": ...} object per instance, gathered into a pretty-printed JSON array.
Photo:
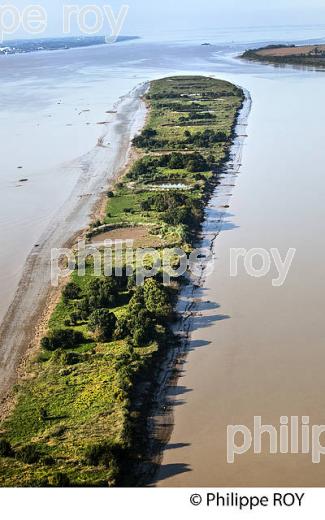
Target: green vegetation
[
  {"x": 308, "y": 55},
  {"x": 78, "y": 414}
]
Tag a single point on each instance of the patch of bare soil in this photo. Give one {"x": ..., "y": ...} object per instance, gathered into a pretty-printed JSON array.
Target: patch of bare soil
[{"x": 139, "y": 234}]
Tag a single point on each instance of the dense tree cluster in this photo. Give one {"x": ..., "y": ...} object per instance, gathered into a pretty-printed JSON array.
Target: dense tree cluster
[
  {"x": 206, "y": 138},
  {"x": 176, "y": 208},
  {"x": 146, "y": 168},
  {"x": 101, "y": 293},
  {"x": 179, "y": 107},
  {"x": 164, "y": 201},
  {"x": 147, "y": 139},
  {"x": 149, "y": 306}
]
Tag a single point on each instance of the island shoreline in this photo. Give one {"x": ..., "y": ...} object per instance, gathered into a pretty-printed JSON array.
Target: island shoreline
[{"x": 158, "y": 420}]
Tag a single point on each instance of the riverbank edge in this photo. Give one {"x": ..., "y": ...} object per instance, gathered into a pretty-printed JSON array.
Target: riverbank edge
[{"x": 169, "y": 365}]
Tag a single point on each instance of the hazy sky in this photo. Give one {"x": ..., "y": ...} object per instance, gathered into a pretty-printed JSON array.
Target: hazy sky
[{"x": 155, "y": 16}]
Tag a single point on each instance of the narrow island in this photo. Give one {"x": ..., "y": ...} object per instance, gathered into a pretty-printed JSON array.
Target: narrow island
[
  {"x": 308, "y": 55},
  {"x": 78, "y": 414}
]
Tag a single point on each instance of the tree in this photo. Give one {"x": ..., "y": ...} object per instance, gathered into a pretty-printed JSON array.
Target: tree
[
  {"x": 156, "y": 299},
  {"x": 175, "y": 216},
  {"x": 140, "y": 337},
  {"x": 197, "y": 163},
  {"x": 146, "y": 138},
  {"x": 102, "y": 292},
  {"x": 176, "y": 161},
  {"x": 71, "y": 291},
  {"x": 102, "y": 322},
  {"x": 143, "y": 329}
]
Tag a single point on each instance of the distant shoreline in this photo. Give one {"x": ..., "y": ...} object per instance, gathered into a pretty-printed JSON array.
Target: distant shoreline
[
  {"x": 12, "y": 47},
  {"x": 306, "y": 55}
]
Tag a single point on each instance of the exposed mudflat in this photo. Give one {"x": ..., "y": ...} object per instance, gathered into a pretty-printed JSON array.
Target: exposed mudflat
[{"x": 99, "y": 167}]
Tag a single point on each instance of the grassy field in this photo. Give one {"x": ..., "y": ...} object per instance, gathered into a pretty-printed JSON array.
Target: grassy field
[
  {"x": 309, "y": 55},
  {"x": 78, "y": 408}
]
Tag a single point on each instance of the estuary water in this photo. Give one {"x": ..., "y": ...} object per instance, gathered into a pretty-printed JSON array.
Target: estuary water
[{"x": 255, "y": 349}]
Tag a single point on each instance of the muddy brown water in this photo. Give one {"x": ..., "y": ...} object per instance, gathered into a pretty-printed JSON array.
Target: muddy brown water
[{"x": 256, "y": 349}]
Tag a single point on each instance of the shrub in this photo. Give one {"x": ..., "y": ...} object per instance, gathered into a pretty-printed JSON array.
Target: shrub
[
  {"x": 71, "y": 291},
  {"x": 138, "y": 323},
  {"x": 83, "y": 308},
  {"x": 70, "y": 358},
  {"x": 75, "y": 317},
  {"x": 5, "y": 448},
  {"x": 28, "y": 454},
  {"x": 143, "y": 328},
  {"x": 99, "y": 454},
  {"x": 197, "y": 163},
  {"x": 59, "y": 480},
  {"x": 164, "y": 201},
  {"x": 62, "y": 338},
  {"x": 141, "y": 336},
  {"x": 106, "y": 454},
  {"x": 136, "y": 303},
  {"x": 48, "y": 461},
  {"x": 131, "y": 283}
]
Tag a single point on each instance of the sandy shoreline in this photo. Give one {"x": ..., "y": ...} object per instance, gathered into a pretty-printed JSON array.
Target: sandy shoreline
[{"x": 35, "y": 298}]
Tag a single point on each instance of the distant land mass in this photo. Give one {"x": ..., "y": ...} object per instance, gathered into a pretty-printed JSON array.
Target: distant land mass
[
  {"x": 53, "y": 44},
  {"x": 309, "y": 55}
]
